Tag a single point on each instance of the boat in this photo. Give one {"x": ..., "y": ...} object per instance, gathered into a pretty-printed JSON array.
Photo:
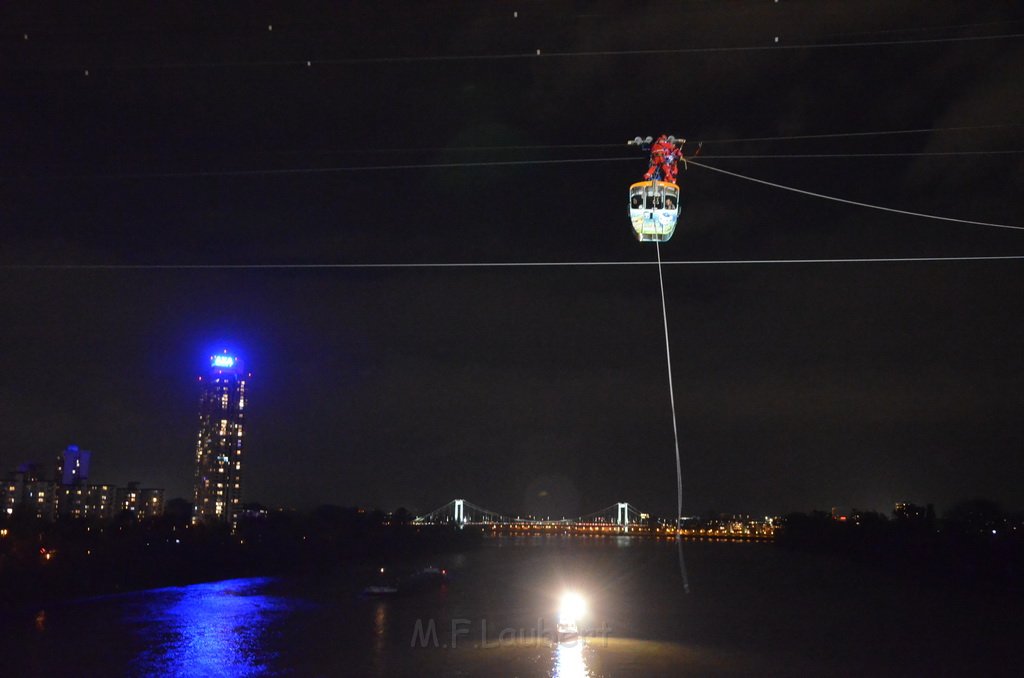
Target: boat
[
  {"x": 573, "y": 607},
  {"x": 420, "y": 580},
  {"x": 567, "y": 631}
]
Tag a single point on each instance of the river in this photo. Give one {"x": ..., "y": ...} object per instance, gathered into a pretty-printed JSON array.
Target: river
[{"x": 754, "y": 609}]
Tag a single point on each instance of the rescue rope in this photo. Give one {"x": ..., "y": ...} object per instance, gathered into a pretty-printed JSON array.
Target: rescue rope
[
  {"x": 853, "y": 202},
  {"x": 675, "y": 430}
]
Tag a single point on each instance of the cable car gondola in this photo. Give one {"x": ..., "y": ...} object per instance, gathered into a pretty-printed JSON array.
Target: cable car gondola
[
  {"x": 654, "y": 210},
  {"x": 654, "y": 202}
]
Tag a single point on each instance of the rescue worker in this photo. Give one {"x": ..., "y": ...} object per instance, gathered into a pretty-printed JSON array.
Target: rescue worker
[{"x": 664, "y": 156}]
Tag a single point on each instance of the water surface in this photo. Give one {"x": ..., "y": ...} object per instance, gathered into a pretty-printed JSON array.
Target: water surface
[{"x": 754, "y": 609}]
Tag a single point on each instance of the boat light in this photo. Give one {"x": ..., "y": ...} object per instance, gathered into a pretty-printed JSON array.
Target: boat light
[{"x": 572, "y": 608}]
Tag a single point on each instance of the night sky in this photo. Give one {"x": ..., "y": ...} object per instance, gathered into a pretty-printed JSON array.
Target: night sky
[{"x": 521, "y": 389}]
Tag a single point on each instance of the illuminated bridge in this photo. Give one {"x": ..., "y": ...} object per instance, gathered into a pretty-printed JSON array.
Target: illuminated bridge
[{"x": 618, "y": 518}]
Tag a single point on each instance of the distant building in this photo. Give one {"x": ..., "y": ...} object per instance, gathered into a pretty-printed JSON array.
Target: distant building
[
  {"x": 218, "y": 454},
  {"x": 100, "y": 501},
  {"x": 253, "y": 512},
  {"x": 38, "y": 494},
  {"x": 70, "y": 500},
  {"x": 10, "y": 496},
  {"x": 70, "y": 478},
  {"x": 28, "y": 491},
  {"x": 151, "y": 502},
  {"x": 73, "y": 466},
  {"x": 140, "y": 502},
  {"x": 907, "y": 511},
  {"x": 842, "y": 513},
  {"x": 127, "y": 498}
]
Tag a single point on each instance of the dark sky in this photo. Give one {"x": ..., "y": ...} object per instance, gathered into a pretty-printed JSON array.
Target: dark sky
[{"x": 521, "y": 389}]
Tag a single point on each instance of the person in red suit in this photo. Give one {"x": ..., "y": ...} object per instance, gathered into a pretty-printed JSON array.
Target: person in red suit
[{"x": 665, "y": 156}]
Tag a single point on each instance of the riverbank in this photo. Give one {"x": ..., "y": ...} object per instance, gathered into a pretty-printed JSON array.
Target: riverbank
[{"x": 41, "y": 563}]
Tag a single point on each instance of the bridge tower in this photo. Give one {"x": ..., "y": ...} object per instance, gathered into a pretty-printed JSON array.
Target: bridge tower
[
  {"x": 460, "y": 511},
  {"x": 622, "y": 515}
]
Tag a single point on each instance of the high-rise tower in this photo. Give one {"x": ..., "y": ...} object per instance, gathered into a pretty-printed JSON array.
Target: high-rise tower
[
  {"x": 73, "y": 466},
  {"x": 218, "y": 462}
]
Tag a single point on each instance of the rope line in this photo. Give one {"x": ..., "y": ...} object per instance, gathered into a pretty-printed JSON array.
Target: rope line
[
  {"x": 854, "y": 202},
  {"x": 920, "y": 29},
  {"x": 503, "y": 264},
  {"x": 897, "y": 154},
  {"x": 329, "y": 170},
  {"x": 538, "y": 54},
  {"x": 837, "y": 135},
  {"x": 675, "y": 430},
  {"x": 497, "y": 163},
  {"x": 531, "y": 147}
]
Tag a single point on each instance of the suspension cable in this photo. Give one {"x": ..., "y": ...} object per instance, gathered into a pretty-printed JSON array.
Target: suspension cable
[
  {"x": 911, "y": 154},
  {"x": 491, "y": 163},
  {"x": 538, "y": 54},
  {"x": 532, "y": 147},
  {"x": 838, "y": 135},
  {"x": 329, "y": 170},
  {"x": 505, "y": 264},
  {"x": 599, "y": 511},
  {"x": 547, "y": 146}
]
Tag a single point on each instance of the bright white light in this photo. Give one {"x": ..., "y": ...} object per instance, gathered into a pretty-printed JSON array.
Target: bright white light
[
  {"x": 572, "y": 608},
  {"x": 223, "y": 361}
]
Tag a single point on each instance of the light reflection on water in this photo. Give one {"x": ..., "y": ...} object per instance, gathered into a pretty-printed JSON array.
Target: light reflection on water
[
  {"x": 213, "y": 629},
  {"x": 380, "y": 635},
  {"x": 569, "y": 661}
]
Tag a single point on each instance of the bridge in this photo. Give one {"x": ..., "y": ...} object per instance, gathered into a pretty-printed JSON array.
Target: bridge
[
  {"x": 462, "y": 512},
  {"x": 619, "y": 518}
]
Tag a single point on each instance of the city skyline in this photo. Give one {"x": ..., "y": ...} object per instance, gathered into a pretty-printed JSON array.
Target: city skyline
[
  {"x": 63, "y": 491},
  {"x": 532, "y": 503}
]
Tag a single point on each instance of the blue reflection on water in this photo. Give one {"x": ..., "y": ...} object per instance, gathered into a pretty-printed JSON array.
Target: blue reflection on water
[{"x": 211, "y": 629}]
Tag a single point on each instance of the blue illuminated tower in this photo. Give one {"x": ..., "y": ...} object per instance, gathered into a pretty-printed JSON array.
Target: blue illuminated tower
[
  {"x": 73, "y": 466},
  {"x": 218, "y": 462}
]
